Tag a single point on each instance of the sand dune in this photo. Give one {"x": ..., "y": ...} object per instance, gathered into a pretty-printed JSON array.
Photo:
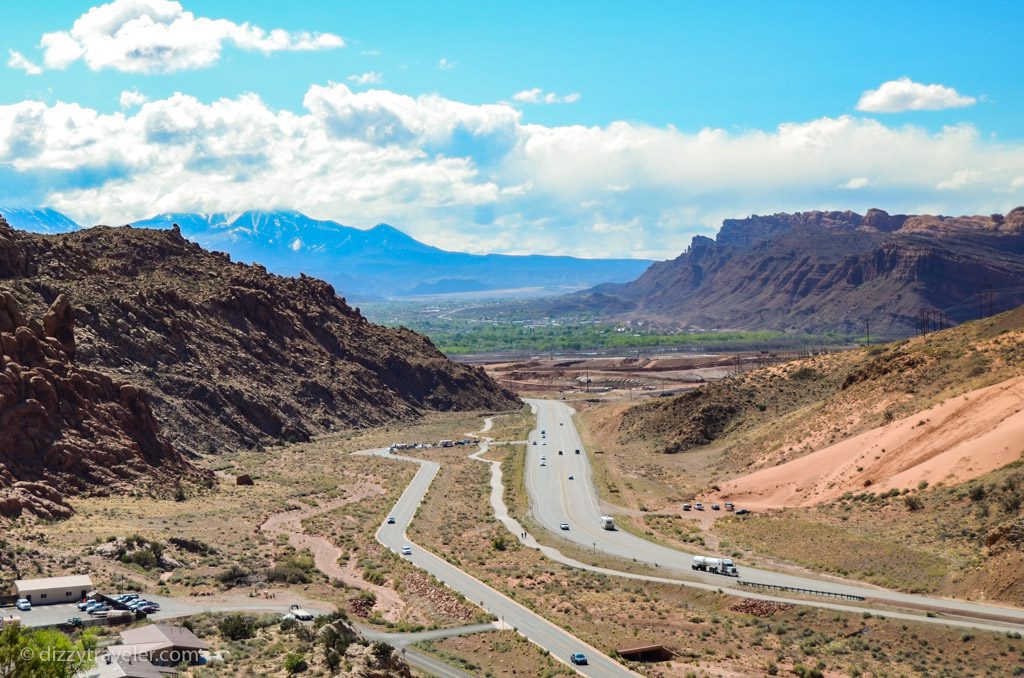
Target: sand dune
[{"x": 958, "y": 440}]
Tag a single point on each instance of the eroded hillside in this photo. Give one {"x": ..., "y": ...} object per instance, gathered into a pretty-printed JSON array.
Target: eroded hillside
[{"x": 233, "y": 356}]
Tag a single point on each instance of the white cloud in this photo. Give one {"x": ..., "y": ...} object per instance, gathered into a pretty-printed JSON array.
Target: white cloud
[
  {"x": 896, "y": 96},
  {"x": 368, "y": 78},
  {"x": 445, "y": 65},
  {"x": 856, "y": 183},
  {"x": 18, "y": 61},
  {"x": 960, "y": 179},
  {"x": 131, "y": 99},
  {"x": 476, "y": 177},
  {"x": 159, "y": 36},
  {"x": 539, "y": 96}
]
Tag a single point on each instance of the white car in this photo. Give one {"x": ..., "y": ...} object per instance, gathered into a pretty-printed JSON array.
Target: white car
[
  {"x": 23, "y": 605},
  {"x": 406, "y": 550}
]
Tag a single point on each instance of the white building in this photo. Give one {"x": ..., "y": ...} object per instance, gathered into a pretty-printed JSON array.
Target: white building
[{"x": 51, "y": 590}]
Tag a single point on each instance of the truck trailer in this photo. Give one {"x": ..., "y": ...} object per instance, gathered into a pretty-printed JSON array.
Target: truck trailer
[{"x": 715, "y": 565}]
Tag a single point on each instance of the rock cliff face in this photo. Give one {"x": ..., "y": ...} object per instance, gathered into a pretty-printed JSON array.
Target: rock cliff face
[
  {"x": 67, "y": 429},
  {"x": 821, "y": 271},
  {"x": 231, "y": 355}
]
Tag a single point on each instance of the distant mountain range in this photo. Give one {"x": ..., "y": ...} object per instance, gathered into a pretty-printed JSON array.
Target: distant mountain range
[
  {"x": 826, "y": 271},
  {"x": 377, "y": 263}
]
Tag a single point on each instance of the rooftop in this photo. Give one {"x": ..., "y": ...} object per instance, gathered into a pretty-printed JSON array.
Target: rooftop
[{"x": 74, "y": 581}]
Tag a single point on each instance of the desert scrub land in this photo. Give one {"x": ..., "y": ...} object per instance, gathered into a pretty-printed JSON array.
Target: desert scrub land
[
  {"x": 963, "y": 540},
  {"x": 659, "y": 452},
  {"x": 212, "y": 544},
  {"x": 712, "y": 638},
  {"x": 498, "y": 654}
]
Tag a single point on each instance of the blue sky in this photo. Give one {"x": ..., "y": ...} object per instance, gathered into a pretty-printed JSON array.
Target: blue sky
[{"x": 665, "y": 117}]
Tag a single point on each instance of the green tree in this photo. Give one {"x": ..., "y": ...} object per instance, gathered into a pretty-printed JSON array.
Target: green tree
[{"x": 44, "y": 653}]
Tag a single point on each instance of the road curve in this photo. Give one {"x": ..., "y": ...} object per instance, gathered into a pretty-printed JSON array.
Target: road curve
[
  {"x": 555, "y": 499},
  {"x": 534, "y": 627}
]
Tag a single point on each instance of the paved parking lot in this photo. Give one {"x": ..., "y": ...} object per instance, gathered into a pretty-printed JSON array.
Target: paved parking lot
[{"x": 170, "y": 608}]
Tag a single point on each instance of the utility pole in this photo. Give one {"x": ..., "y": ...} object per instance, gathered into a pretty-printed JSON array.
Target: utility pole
[{"x": 867, "y": 330}]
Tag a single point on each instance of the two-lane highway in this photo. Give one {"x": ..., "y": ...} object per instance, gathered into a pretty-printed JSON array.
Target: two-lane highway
[{"x": 555, "y": 499}]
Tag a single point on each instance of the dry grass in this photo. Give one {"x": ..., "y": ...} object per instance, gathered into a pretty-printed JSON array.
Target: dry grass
[{"x": 501, "y": 654}]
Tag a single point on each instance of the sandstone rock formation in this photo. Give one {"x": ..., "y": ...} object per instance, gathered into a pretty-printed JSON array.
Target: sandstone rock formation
[
  {"x": 827, "y": 271},
  {"x": 65, "y": 428},
  {"x": 232, "y": 356}
]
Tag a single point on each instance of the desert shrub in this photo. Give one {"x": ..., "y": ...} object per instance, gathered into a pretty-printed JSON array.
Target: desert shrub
[
  {"x": 499, "y": 543},
  {"x": 297, "y": 568},
  {"x": 233, "y": 575},
  {"x": 913, "y": 503},
  {"x": 295, "y": 663},
  {"x": 237, "y": 627}
]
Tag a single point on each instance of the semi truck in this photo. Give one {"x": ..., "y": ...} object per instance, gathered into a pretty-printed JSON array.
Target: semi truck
[
  {"x": 607, "y": 522},
  {"x": 715, "y": 565}
]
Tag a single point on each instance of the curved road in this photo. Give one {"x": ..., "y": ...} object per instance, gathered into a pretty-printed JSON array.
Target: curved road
[
  {"x": 555, "y": 499},
  {"x": 558, "y": 642}
]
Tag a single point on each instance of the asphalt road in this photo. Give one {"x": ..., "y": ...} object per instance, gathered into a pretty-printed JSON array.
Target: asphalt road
[
  {"x": 555, "y": 499},
  {"x": 534, "y": 627}
]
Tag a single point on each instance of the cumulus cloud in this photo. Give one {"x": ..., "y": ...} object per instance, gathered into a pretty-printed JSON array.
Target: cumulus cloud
[
  {"x": 445, "y": 65},
  {"x": 160, "y": 36},
  {"x": 20, "y": 62},
  {"x": 539, "y": 96},
  {"x": 368, "y": 78},
  {"x": 476, "y": 177},
  {"x": 856, "y": 183},
  {"x": 131, "y": 99},
  {"x": 897, "y": 96}
]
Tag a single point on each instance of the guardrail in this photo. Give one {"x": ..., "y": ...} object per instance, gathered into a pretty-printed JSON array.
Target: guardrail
[{"x": 794, "y": 589}]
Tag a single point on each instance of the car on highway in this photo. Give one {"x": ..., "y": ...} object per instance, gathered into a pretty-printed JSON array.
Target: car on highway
[
  {"x": 391, "y": 520},
  {"x": 559, "y": 453},
  {"x": 406, "y": 550},
  {"x": 577, "y": 451},
  {"x": 534, "y": 442},
  {"x": 571, "y": 477},
  {"x": 563, "y": 526},
  {"x": 578, "y": 658},
  {"x": 23, "y": 604}
]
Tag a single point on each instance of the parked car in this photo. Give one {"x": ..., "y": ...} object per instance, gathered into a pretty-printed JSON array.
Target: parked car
[
  {"x": 563, "y": 526},
  {"x": 686, "y": 507},
  {"x": 391, "y": 520},
  {"x": 578, "y": 658},
  {"x": 92, "y": 606},
  {"x": 72, "y": 623},
  {"x": 729, "y": 506},
  {"x": 716, "y": 507},
  {"x": 406, "y": 550},
  {"x": 300, "y": 614},
  {"x": 102, "y": 607},
  {"x": 698, "y": 506},
  {"x": 742, "y": 512},
  {"x": 23, "y": 604}
]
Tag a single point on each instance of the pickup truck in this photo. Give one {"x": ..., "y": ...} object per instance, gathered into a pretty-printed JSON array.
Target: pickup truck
[{"x": 300, "y": 614}]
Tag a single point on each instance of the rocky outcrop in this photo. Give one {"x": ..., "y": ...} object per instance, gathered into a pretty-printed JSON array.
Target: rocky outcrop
[
  {"x": 828, "y": 271},
  {"x": 232, "y": 356},
  {"x": 67, "y": 429}
]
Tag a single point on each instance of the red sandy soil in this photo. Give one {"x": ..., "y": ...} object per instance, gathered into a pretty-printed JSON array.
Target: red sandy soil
[{"x": 955, "y": 441}]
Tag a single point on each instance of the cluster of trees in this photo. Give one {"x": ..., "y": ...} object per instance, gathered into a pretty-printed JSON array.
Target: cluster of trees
[{"x": 43, "y": 653}]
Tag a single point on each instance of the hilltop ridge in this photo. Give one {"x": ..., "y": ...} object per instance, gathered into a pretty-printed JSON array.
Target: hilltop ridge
[{"x": 232, "y": 355}]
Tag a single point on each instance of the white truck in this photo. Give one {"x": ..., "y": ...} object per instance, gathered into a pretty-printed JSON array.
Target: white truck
[
  {"x": 715, "y": 565},
  {"x": 607, "y": 522}
]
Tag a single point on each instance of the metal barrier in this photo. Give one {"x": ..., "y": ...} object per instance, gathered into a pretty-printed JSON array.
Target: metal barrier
[{"x": 794, "y": 589}]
